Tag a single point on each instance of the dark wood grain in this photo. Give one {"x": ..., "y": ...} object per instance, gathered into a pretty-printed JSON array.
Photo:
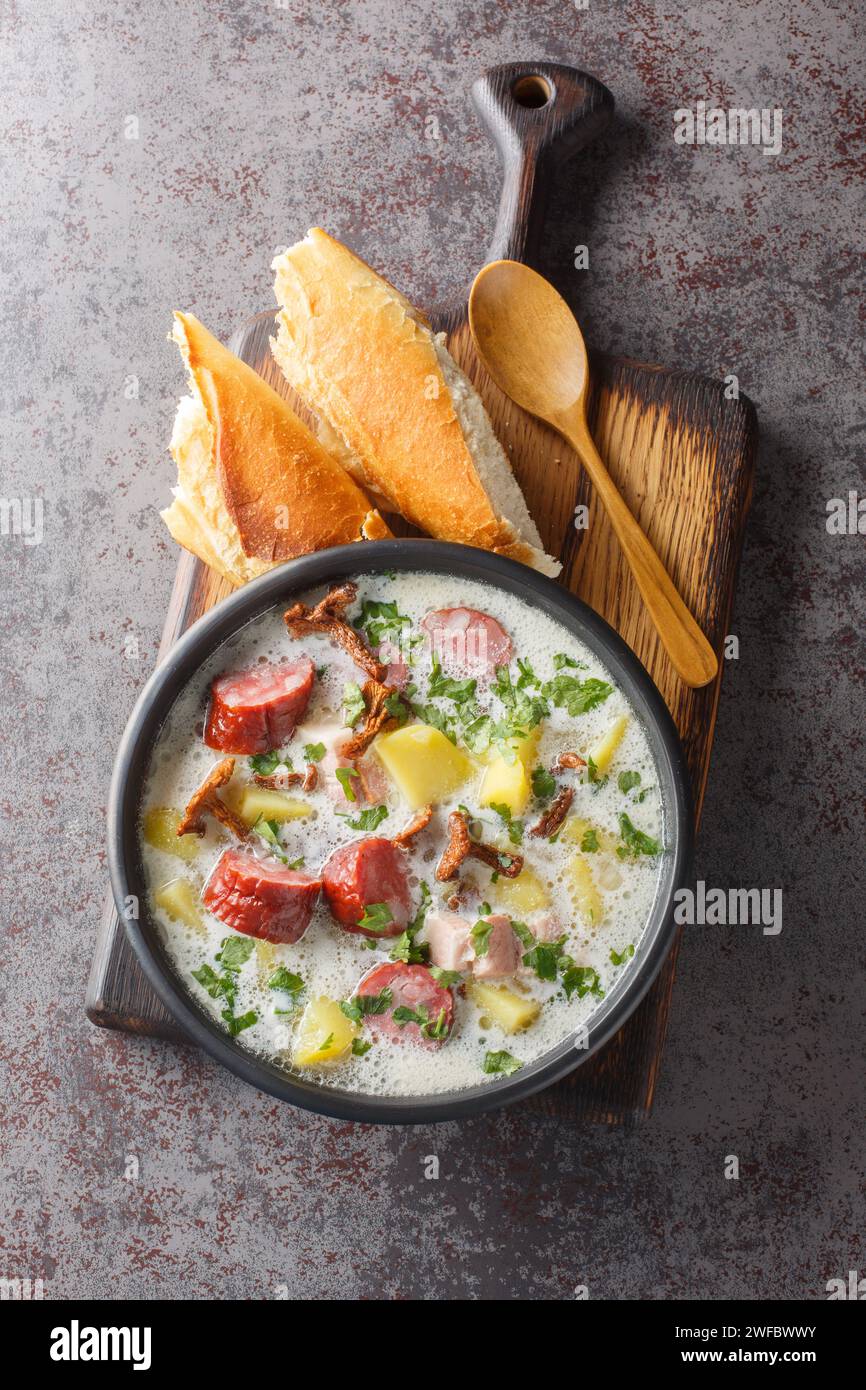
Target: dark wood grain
[{"x": 681, "y": 452}]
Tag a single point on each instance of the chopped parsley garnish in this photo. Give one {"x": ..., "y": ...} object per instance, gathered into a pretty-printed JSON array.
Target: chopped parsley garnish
[
  {"x": 626, "y": 780},
  {"x": 377, "y": 918},
  {"x": 314, "y": 752},
  {"x": 439, "y": 1029},
  {"x": 589, "y": 841},
  {"x": 514, "y": 827},
  {"x": 560, "y": 661},
  {"x": 522, "y": 932},
  {"x": 480, "y": 934},
  {"x": 478, "y": 734},
  {"x": 367, "y": 820},
  {"x": 234, "y": 952},
  {"x": 361, "y": 1004},
  {"x": 237, "y": 1025},
  {"x": 297, "y": 863},
  {"x": 360, "y": 1047},
  {"x": 286, "y": 980},
  {"x": 576, "y": 695},
  {"x": 500, "y": 1064},
  {"x": 445, "y": 978},
  {"x": 269, "y": 831},
  {"x": 543, "y": 783},
  {"x": 445, "y": 687},
  {"x": 619, "y": 958},
  {"x": 354, "y": 705},
  {"x": 405, "y": 947},
  {"x": 436, "y": 718},
  {"x": 396, "y": 707},
  {"x": 263, "y": 764},
  {"x": 327, "y": 1044},
  {"x": 403, "y": 1015},
  {"x": 215, "y": 985},
  {"x": 527, "y": 676},
  {"x": 418, "y": 920},
  {"x": 431, "y": 1028},
  {"x": 580, "y": 980},
  {"x": 522, "y": 712},
  {"x": 594, "y": 776},
  {"x": 544, "y": 958},
  {"x": 634, "y": 841},
  {"x": 380, "y": 620},
  {"x": 344, "y": 776}
]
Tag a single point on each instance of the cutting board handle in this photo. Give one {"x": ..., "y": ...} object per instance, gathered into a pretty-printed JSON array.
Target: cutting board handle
[{"x": 538, "y": 115}]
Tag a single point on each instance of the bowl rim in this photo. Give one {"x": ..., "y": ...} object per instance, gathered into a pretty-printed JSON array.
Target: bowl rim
[{"x": 224, "y": 620}]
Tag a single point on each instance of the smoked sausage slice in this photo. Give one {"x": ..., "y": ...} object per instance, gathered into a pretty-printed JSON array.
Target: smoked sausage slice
[
  {"x": 368, "y": 874},
  {"x": 260, "y": 898},
  {"x": 413, "y": 991},
  {"x": 256, "y": 710},
  {"x": 466, "y": 640}
]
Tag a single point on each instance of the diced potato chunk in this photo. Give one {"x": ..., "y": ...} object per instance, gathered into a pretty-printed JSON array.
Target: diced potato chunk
[
  {"x": 266, "y": 957},
  {"x": 160, "y": 831},
  {"x": 181, "y": 901},
  {"x": 587, "y": 898},
  {"x": 324, "y": 1034},
  {"x": 506, "y": 784},
  {"x": 607, "y": 872},
  {"x": 519, "y": 896},
  {"x": 604, "y": 750},
  {"x": 513, "y": 1012},
  {"x": 426, "y": 765},
  {"x": 525, "y": 748},
  {"x": 254, "y": 802},
  {"x": 577, "y": 826}
]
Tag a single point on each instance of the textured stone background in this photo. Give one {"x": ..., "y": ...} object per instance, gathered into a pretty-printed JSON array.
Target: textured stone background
[{"x": 255, "y": 120}]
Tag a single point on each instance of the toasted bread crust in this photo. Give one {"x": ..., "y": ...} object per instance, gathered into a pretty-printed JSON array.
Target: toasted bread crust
[
  {"x": 255, "y": 485},
  {"x": 355, "y": 349}
]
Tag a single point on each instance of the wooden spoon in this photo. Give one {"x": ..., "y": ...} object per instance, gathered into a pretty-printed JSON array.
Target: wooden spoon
[{"x": 530, "y": 342}]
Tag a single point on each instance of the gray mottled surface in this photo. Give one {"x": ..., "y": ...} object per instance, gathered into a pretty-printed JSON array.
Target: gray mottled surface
[{"x": 255, "y": 120}]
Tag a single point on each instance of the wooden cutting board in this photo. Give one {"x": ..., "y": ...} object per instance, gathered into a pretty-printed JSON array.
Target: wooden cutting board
[{"x": 683, "y": 456}]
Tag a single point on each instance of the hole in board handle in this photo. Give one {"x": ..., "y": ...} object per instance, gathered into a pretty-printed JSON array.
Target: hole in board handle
[{"x": 532, "y": 92}]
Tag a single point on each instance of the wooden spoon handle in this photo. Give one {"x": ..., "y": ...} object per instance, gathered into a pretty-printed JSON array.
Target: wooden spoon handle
[{"x": 690, "y": 652}]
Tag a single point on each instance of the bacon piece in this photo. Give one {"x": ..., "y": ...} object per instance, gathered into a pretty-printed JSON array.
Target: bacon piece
[
  {"x": 378, "y": 719},
  {"x": 503, "y": 953},
  {"x": 554, "y": 815},
  {"x": 461, "y": 846},
  {"x": 207, "y": 801},
  {"x": 329, "y": 616},
  {"x": 419, "y": 822},
  {"x": 277, "y": 781},
  {"x": 568, "y": 760},
  {"x": 372, "y": 781}
]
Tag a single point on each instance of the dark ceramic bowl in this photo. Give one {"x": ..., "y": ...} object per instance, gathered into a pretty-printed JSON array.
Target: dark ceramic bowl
[{"x": 279, "y": 587}]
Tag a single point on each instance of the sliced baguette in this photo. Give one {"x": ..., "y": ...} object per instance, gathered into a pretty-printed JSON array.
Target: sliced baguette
[
  {"x": 254, "y": 486},
  {"x": 394, "y": 406}
]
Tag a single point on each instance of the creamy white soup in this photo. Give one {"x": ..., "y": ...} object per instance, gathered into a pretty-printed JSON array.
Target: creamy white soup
[{"x": 429, "y": 843}]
